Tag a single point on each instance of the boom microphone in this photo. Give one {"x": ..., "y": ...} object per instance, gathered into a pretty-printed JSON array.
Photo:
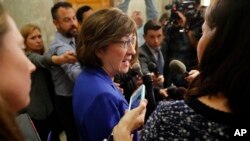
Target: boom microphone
[{"x": 178, "y": 67}]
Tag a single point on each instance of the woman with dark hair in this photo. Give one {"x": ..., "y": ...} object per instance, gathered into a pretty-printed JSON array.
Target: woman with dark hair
[{"x": 217, "y": 103}]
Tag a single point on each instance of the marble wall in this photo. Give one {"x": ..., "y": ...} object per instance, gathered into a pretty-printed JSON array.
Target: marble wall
[
  {"x": 38, "y": 12},
  {"x": 33, "y": 11}
]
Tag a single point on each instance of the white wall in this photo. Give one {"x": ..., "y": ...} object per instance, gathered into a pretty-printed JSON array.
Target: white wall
[{"x": 140, "y": 6}]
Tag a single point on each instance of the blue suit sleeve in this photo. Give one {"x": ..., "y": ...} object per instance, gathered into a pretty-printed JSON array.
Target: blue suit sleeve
[{"x": 103, "y": 115}]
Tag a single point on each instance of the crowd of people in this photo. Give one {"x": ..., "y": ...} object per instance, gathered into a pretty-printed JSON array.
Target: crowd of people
[{"x": 82, "y": 84}]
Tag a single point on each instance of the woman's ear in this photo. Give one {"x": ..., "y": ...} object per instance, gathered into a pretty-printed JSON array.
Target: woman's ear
[{"x": 99, "y": 53}]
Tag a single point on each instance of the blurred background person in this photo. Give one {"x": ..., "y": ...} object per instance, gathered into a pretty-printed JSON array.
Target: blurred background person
[
  {"x": 179, "y": 33},
  {"x": 151, "y": 58},
  {"x": 82, "y": 13},
  {"x": 137, "y": 17},
  {"x": 64, "y": 19},
  {"x": 151, "y": 11},
  {"x": 41, "y": 107}
]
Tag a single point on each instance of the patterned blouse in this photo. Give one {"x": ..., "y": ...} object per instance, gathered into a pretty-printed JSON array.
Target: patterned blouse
[{"x": 188, "y": 120}]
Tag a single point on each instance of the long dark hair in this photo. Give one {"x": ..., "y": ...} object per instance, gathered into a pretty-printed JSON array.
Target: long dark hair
[{"x": 225, "y": 64}]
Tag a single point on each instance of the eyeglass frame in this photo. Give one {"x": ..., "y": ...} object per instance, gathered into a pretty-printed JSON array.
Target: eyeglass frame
[{"x": 124, "y": 44}]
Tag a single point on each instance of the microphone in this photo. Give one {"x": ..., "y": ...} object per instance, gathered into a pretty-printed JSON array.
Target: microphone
[
  {"x": 178, "y": 67},
  {"x": 136, "y": 67},
  {"x": 147, "y": 81},
  {"x": 176, "y": 93},
  {"x": 153, "y": 68}
]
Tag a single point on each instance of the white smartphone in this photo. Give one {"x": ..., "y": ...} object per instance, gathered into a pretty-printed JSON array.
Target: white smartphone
[{"x": 137, "y": 96}]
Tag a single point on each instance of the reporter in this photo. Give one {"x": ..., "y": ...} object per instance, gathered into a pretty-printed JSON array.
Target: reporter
[
  {"x": 15, "y": 76},
  {"x": 216, "y": 103},
  {"x": 42, "y": 93}
]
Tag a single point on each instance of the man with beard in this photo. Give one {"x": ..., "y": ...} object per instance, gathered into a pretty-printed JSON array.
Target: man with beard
[{"x": 64, "y": 19}]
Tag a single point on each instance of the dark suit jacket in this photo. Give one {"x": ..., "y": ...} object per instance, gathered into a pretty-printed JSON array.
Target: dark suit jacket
[
  {"x": 146, "y": 56},
  {"x": 153, "y": 96}
]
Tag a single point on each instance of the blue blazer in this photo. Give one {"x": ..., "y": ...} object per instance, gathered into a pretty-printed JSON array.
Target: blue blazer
[{"x": 97, "y": 104}]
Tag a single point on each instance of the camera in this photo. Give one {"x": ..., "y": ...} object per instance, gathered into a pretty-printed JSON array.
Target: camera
[{"x": 187, "y": 7}]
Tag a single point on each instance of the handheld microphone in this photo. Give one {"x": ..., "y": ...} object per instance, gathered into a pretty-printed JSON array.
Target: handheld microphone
[
  {"x": 153, "y": 68},
  {"x": 136, "y": 67},
  {"x": 178, "y": 67},
  {"x": 176, "y": 93}
]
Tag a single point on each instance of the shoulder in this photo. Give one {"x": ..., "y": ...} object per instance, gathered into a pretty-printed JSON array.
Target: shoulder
[{"x": 170, "y": 106}]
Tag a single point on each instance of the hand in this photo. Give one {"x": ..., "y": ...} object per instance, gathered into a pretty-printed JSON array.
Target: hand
[
  {"x": 66, "y": 57},
  {"x": 69, "y": 57},
  {"x": 119, "y": 88},
  {"x": 163, "y": 92},
  {"x": 183, "y": 20},
  {"x": 191, "y": 75},
  {"x": 158, "y": 81},
  {"x": 129, "y": 122}
]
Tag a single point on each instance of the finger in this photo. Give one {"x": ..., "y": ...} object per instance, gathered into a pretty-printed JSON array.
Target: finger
[{"x": 141, "y": 107}]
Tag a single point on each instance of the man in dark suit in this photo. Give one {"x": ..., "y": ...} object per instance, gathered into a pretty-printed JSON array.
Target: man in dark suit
[{"x": 151, "y": 57}]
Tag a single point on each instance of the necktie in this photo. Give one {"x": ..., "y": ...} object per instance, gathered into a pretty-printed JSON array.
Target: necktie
[
  {"x": 160, "y": 61},
  {"x": 72, "y": 43}
]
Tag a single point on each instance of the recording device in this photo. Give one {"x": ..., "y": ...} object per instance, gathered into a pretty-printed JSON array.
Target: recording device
[
  {"x": 148, "y": 83},
  {"x": 137, "y": 96},
  {"x": 187, "y": 7},
  {"x": 178, "y": 67},
  {"x": 137, "y": 69},
  {"x": 176, "y": 93},
  {"x": 153, "y": 68}
]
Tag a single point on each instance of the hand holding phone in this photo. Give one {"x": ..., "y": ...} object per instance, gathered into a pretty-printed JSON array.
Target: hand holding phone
[{"x": 136, "y": 97}]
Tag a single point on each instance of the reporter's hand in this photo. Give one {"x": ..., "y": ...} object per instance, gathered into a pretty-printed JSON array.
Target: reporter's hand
[
  {"x": 129, "y": 122},
  {"x": 158, "y": 81},
  {"x": 183, "y": 20},
  {"x": 191, "y": 75},
  {"x": 163, "y": 92}
]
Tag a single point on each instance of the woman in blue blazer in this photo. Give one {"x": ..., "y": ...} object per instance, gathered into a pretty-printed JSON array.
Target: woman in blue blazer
[{"x": 106, "y": 47}]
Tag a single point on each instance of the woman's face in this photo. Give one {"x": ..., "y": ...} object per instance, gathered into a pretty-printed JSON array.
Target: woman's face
[
  {"x": 34, "y": 41},
  {"x": 15, "y": 69},
  {"x": 117, "y": 57}
]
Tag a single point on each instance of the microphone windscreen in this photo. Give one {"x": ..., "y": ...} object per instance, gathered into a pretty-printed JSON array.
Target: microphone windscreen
[
  {"x": 152, "y": 66},
  {"x": 177, "y": 67},
  {"x": 137, "y": 68}
]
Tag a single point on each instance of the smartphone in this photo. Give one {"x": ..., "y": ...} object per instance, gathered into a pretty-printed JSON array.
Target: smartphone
[{"x": 136, "y": 97}]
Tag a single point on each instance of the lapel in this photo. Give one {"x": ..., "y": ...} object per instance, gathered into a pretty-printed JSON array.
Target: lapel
[{"x": 149, "y": 53}]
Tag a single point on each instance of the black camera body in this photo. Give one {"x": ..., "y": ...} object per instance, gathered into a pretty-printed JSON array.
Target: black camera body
[{"x": 187, "y": 7}]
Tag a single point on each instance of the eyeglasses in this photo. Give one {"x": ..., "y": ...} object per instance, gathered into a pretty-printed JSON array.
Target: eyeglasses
[{"x": 126, "y": 44}]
